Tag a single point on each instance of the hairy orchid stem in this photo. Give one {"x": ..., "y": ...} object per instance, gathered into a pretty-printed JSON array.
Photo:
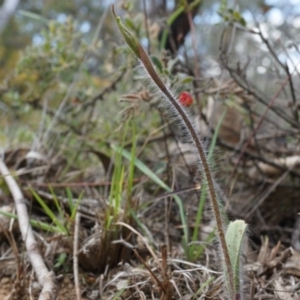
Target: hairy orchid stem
[{"x": 141, "y": 54}]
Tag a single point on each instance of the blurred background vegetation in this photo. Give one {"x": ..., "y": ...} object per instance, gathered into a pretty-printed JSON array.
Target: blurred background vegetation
[
  {"x": 26, "y": 42},
  {"x": 64, "y": 68}
]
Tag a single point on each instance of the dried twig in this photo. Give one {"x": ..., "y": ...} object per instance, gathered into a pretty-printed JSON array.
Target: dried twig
[{"x": 45, "y": 277}]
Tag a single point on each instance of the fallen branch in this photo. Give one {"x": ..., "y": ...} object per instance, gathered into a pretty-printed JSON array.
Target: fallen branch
[
  {"x": 289, "y": 163},
  {"x": 45, "y": 277}
]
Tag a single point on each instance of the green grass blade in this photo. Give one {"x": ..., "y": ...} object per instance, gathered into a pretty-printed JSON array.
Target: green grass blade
[
  {"x": 38, "y": 224},
  {"x": 49, "y": 212},
  {"x": 204, "y": 193},
  {"x": 171, "y": 20},
  {"x": 115, "y": 195},
  {"x": 70, "y": 199},
  {"x": 57, "y": 204},
  {"x": 215, "y": 137},
  {"x": 131, "y": 165},
  {"x": 200, "y": 249},
  {"x": 206, "y": 283},
  {"x": 143, "y": 168},
  {"x": 75, "y": 207},
  {"x": 143, "y": 228},
  {"x": 198, "y": 222},
  {"x": 119, "y": 188},
  {"x": 118, "y": 294}
]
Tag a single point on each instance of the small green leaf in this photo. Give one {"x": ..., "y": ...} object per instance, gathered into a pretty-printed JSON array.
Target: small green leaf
[
  {"x": 243, "y": 22},
  {"x": 234, "y": 241},
  {"x": 61, "y": 260},
  {"x": 157, "y": 63},
  {"x": 187, "y": 79}
]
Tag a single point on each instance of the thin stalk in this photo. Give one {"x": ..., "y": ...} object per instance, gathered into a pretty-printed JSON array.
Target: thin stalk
[
  {"x": 141, "y": 54},
  {"x": 200, "y": 149}
]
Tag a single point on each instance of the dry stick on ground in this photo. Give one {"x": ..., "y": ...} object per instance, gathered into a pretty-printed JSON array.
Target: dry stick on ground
[
  {"x": 154, "y": 277},
  {"x": 45, "y": 277},
  {"x": 75, "y": 256}
]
